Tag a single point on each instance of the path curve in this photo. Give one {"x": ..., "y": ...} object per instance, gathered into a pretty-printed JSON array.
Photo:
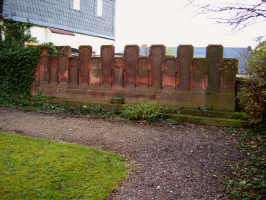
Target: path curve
[{"x": 170, "y": 162}]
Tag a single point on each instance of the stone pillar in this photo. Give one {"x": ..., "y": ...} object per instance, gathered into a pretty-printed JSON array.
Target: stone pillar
[
  {"x": 214, "y": 59},
  {"x": 95, "y": 75},
  {"x": 131, "y": 58},
  {"x": 143, "y": 73},
  {"x": 73, "y": 72},
  {"x": 228, "y": 74},
  {"x": 185, "y": 58},
  {"x": 118, "y": 73},
  {"x": 169, "y": 73},
  {"x": 157, "y": 56},
  {"x": 43, "y": 66},
  {"x": 53, "y": 70},
  {"x": 199, "y": 75},
  {"x": 42, "y": 71},
  {"x": 107, "y": 56},
  {"x": 85, "y": 53},
  {"x": 63, "y": 65}
]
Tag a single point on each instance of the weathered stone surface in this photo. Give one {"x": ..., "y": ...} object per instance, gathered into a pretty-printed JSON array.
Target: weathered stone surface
[
  {"x": 143, "y": 73},
  {"x": 199, "y": 75},
  {"x": 107, "y": 55},
  {"x": 73, "y": 71},
  {"x": 210, "y": 121},
  {"x": 63, "y": 64},
  {"x": 118, "y": 73},
  {"x": 85, "y": 53},
  {"x": 53, "y": 70},
  {"x": 43, "y": 66},
  {"x": 216, "y": 99},
  {"x": 182, "y": 81},
  {"x": 131, "y": 59},
  {"x": 157, "y": 56},
  {"x": 169, "y": 79},
  {"x": 95, "y": 72},
  {"x": 228, "y": 73},
  {"x": 185, "y": 58},
  {"x": 64, "y": 51},
  {"x": 214, "y": 57}
]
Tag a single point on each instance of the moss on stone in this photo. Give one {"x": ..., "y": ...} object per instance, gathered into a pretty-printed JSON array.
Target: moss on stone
[
  {"x": 211, "y": 121},
  {"x": 212, "y": 113},
  {"x": 117, "y": 100},
  {"x": 200, "y": 115}
]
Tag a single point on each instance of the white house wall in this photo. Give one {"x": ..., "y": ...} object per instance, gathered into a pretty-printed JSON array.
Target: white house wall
[
  {"x": 43, "y": 34},
  {"x": 40, "y": 33}
]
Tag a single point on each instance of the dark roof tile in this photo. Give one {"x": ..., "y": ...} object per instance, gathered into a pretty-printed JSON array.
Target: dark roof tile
[{"x": 60, "y": 14}]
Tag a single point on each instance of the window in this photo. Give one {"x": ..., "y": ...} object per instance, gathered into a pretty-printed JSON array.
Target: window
[
  {"x": 99, "y": 8},
  {"x": 76, "y": 4}
]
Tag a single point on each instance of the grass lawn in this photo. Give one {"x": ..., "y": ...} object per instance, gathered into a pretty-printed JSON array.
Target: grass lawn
[{"x": 32, "y": 168}]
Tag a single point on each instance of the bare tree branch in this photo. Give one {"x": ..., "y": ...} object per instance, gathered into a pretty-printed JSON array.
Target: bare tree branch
[{"x": 236, "y": 13}]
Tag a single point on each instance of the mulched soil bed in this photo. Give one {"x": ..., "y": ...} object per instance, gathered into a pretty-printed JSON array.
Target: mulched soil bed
[{"x": 169, "y": 162}]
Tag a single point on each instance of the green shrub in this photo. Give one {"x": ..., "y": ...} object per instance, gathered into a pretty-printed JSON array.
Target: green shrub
[
  {"x": 18, "y": 63},
  {"x": 253, "y": 94},
  {"x": 52, "y": 48},
  {"x": 15, "y": 34},
  {"x": 17, "y": 71},
  {"x": 150, "y": 111}
]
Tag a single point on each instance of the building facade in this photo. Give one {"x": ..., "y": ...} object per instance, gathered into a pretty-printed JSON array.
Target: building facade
[{"x": 65, "y": 22}]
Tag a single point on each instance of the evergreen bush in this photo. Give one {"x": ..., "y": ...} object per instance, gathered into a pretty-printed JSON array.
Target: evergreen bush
[
  {"x": 253, "y": 94},
  {"x": 17, "y": 62}
]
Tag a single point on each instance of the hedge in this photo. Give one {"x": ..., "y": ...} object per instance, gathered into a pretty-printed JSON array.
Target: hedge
[{"x": 17, "y": 69}]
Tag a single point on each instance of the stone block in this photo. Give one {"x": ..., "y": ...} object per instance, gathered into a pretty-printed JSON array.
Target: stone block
[
  {"x": 185, "y": 58},
  {"x": 157, "y": 57},
  {"x": 107, "y": 56}
]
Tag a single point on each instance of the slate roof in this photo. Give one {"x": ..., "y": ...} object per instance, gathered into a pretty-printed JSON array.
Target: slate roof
[{"x": 60, "y": 14}]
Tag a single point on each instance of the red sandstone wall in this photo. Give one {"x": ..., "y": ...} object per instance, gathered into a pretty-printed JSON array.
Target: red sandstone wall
[{"x": 182, "y": 81}]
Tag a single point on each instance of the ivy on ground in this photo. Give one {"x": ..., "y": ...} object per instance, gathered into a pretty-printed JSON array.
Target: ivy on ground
[{"x": 248, "y": 180}]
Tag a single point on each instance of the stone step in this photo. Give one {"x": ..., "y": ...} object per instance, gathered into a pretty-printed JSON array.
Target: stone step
[
  {"x": 211, "y": 121},
  {"x": 212, "y": 113}
]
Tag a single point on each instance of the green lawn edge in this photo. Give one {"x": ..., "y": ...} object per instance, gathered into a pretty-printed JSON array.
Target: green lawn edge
[{"x": 33, "y": 168}]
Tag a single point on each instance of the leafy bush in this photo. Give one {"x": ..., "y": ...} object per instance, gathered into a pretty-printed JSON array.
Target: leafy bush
[
  {"x": 17, "y": 62},
  {"x": 17, "y": 70},
  {"x": 15, "y": 34},
  {"x": 52, "y": 48},
  {"x": 150, "y": 111},
  {"x": 253, "y": 94}
]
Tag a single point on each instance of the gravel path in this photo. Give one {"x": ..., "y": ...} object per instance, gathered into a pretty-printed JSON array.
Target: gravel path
[{"x": 170, "y": 162}]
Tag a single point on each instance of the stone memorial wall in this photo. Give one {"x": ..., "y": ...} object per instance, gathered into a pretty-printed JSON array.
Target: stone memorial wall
[{"x": 181, "y": 80}]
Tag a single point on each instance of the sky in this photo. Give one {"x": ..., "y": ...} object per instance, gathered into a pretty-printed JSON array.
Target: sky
[{"x": 173, "y": 22}]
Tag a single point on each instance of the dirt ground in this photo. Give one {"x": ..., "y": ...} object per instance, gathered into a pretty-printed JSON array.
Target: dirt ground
[{"x": 169, "y": 162}]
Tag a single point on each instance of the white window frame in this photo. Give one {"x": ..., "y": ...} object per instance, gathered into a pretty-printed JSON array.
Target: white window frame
[
  {"x": 76, "y": 5},
  {"x": 99, "y": 8}
]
